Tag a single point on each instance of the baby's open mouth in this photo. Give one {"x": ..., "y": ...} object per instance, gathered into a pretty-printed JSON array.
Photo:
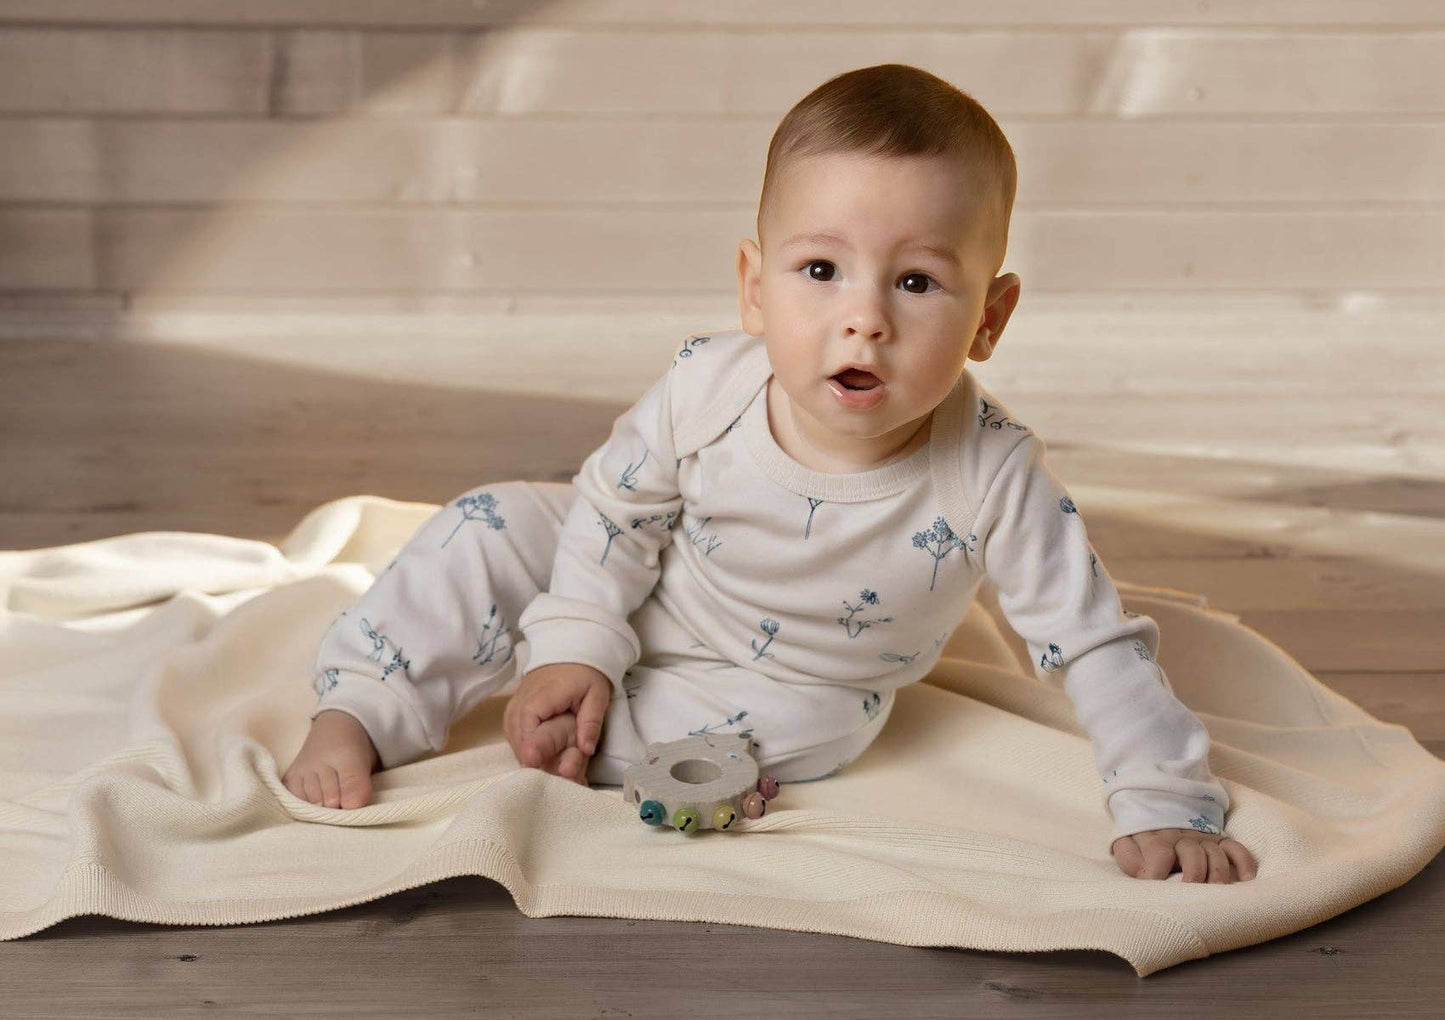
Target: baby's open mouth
[{"x": 856, "y": 379}]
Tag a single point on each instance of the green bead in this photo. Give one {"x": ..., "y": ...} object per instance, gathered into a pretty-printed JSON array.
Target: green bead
[
  {"x": 686, "y": 820},
  {"x": 651, "y": 812}
]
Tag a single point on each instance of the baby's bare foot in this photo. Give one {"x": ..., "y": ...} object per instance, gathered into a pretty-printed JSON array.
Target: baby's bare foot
[{"x": 334, "y": 766}]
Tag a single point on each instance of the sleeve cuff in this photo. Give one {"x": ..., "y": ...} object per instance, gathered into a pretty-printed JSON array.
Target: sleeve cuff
[
  {"x": 580, "y": 638},
  {"x": 1141, "y": 810}
]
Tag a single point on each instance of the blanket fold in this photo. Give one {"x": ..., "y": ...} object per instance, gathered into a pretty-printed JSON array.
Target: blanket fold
[{"x": 153, "y": 687}]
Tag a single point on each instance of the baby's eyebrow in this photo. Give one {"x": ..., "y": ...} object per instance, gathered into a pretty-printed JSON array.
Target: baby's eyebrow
[{"x": 945, "y": 252}]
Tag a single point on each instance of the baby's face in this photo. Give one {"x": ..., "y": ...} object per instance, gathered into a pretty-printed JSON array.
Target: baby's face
[{"x": 874, "y": 295}]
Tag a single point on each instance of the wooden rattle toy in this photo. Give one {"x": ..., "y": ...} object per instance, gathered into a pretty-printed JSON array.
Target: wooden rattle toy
[{"x": 699, "y": 782}]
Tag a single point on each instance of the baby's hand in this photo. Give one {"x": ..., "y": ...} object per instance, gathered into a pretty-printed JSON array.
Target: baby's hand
[
  {"x": 1152, "y": 853},
  {"x": 554, "y": 719}
]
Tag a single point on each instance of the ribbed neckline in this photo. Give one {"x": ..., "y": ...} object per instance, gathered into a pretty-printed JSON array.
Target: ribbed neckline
[{"x": 852, "y": 487}]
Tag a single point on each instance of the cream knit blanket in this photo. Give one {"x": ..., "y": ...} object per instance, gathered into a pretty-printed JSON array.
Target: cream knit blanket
[{"x": 153, "y": 684}]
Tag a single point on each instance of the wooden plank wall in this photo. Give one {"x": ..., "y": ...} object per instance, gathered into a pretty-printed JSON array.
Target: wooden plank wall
[{"x": 455, "y": 162}]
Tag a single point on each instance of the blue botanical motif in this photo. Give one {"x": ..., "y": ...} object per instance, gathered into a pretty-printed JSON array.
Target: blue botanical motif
[
  {"x": 718, "y": 727},
  {"x": 378, "y": 641},
  {"x": 487, "y": 646},
  {"x": 812, "y": 506},
  {"x": 1142, "y": 650},
  {"x": 629, "y": 690},
  {"x": 990, "y": 418},
  {"x": 1067, "y": 506},
  {"x": 688, "y": 346},
  {"x": 1204, "y": 825},
  {"x": 483, "y": 501},
  {"x": 1208, "y": 796},
  {"x": 972, "y": 544},
  {"x": 1052, "y": 659},
  {"x": 867, "y": 597},
  {"x": 938, "y": 641},
  {"x": 1093, "y": 564},
  {"x": 629, "y": 477},
  {"x": 612, "y": 532},
  {"x": 871, "y": 705},
  {"x": 731, "y": 426},
  {"x": 396, "y": 663},
  {"x": 938, "y": 541},
  {"x": 697, "y": 536},
  {"x": 668, "y": 520},
  {"x": 1129, "y": 614},
  {"x": 769, "y": 626},
  {"x": 897, "y": 657},
  {"x": 1111, "y": 775},
  {"x": 326, "y": 683}
]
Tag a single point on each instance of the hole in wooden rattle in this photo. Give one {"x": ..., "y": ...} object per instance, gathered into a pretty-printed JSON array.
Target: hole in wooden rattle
[{"x": 696, "y": 770}]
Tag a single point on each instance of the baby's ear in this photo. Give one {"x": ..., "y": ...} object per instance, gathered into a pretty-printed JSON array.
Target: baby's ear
[
  {"x": 750, "y": 298},
  {"x": 984, "y": 344}
]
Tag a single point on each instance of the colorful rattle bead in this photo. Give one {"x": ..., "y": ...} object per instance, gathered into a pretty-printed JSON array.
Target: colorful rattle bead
[
  {"x": 754, "y": 805},
  {"x": 768, "y": 787},
  {"x": 652, "y": 812},
  {"x": 724, "y": 817},
  {"x": 686, "y": 820}
]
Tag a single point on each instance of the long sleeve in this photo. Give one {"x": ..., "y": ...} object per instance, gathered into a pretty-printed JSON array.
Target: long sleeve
[
  {"x": 1151, "y": 751},
  {"x": 608, "y": 551}
]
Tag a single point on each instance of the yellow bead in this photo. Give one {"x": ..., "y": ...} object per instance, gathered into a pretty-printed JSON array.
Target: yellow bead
[{"x": 724, "y": 817}]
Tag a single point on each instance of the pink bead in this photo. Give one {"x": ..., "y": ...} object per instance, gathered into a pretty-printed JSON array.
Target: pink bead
[
  {"x": 754, "y": 805},
  {"x": 768, "y": 787}
]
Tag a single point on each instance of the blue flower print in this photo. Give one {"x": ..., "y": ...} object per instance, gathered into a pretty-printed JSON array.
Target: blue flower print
[
  {"x": 396, "y": 663},
  {"x": 326, "y": 683},
  {"x": 732, "y": 426},
  {"x": 1067, "y": 506},
  {"x": 1142, "y": 650},
  {"x": 668, "y": 520},
  {"x": 989, "y": 417},
  {"x": 871, "y": 705},
  {"x": 483, "y": 501},
  {"x": 718, "y": 727},
  {"x": 865, "y": 598},
  {"x": 629, "y": 477},
  {"x": 1204, "y": 825},
  {"x": 697, "y": 536},
  {"x": 1093, "y": 564},
  {"x": 812, "y": 506},
  {"x": 897, "y": 657},
  {"x": 941, "y": 536},
  {"x": 612, "y": 532},
  {"x": 769, "y": 626},
  {"x": 378, "y": 641},
  {"x": 689, "y": 345},
  {"x": 1052, "y": 659},
  {"x": 487, "y": 646}
]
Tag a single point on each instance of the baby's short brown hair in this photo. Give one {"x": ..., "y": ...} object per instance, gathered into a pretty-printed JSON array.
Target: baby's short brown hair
[{"x": 896, "y": 110}]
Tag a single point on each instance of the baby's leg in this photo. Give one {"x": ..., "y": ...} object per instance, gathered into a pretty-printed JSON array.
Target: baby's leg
[
  {"x": 431, "y": 637},
  {"x": 680, "y": 688}
]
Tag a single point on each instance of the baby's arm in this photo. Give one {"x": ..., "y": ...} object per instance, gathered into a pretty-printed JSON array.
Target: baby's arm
[
  {"x": 1151, "y": 751},
  {"x": 608, "y": 551}
]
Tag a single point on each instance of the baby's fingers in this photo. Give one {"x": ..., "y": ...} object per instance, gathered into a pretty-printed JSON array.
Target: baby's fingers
[{"x": 542, "y": 747}]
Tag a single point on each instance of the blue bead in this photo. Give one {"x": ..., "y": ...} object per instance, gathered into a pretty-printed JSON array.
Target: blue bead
[{"x": 652, "y": 812}]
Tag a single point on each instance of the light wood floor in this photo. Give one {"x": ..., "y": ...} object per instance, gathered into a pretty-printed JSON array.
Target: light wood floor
[{"x": 99, "y": 439}]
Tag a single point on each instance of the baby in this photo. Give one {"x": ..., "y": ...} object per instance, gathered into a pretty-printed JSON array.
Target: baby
[{"x": 759, "y": 547}]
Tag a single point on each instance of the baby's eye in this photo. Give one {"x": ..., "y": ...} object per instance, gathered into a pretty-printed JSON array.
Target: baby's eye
[{"x": 919, "y": 276}]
